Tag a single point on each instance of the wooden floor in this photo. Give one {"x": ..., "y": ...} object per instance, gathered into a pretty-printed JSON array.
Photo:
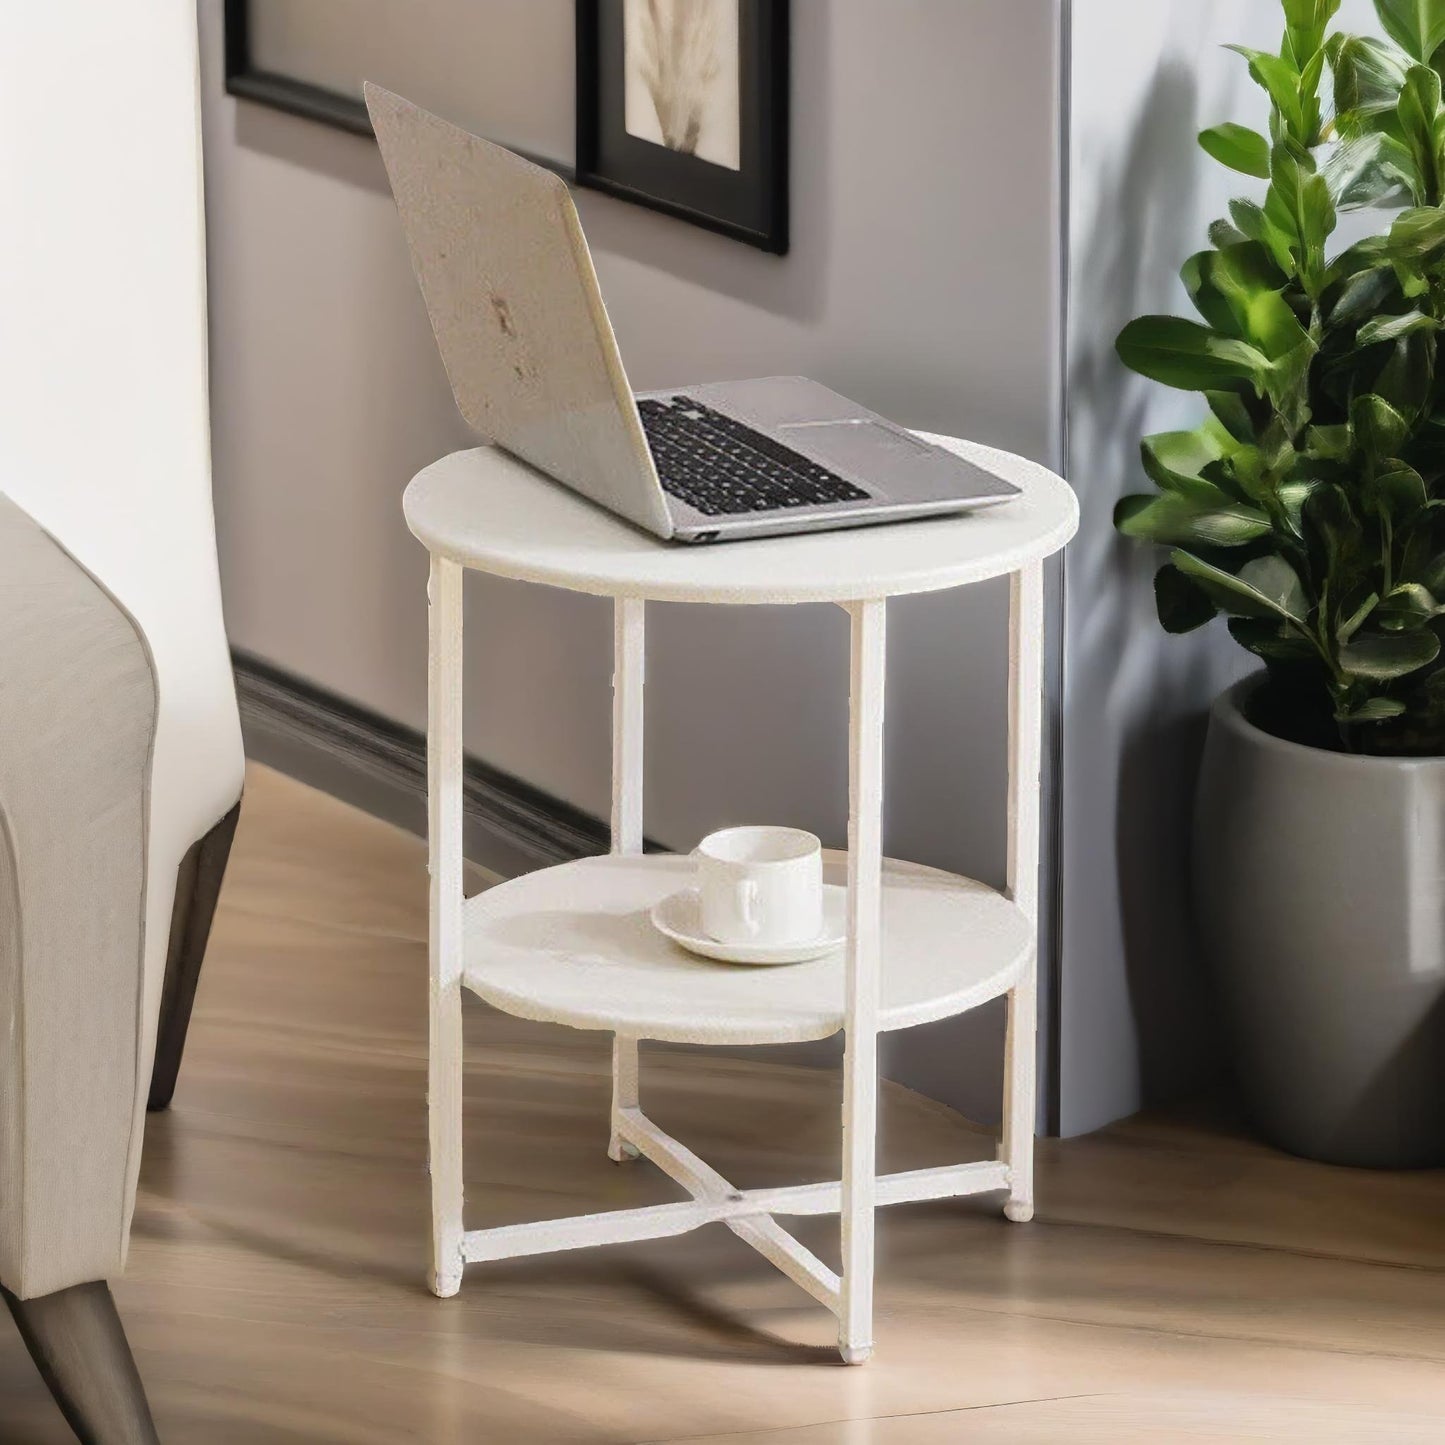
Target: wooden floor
[{"x": 1180, "y": 1283}]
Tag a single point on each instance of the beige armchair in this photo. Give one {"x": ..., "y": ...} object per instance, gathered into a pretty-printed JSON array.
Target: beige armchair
[{"x": 78, "y": 709}]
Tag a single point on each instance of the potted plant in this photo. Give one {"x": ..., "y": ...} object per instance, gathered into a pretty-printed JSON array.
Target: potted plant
[{"x": 1308, "y": 507}]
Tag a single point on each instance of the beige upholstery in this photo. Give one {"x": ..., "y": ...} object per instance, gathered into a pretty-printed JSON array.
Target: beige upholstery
[
  {"x": 78, "y": 711},
  {"x": 104, "y": 426}
]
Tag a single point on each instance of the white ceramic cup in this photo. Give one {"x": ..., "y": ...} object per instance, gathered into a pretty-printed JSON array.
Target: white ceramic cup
[{"x": 761, "y": 885}]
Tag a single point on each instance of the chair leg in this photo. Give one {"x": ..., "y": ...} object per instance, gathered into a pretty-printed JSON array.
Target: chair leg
[
  {"x": 198, "y": 885},
  {"x": 78, "y": 1343}
]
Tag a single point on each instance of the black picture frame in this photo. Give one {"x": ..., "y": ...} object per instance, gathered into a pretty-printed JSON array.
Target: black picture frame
[
  {"x": 312, "y": 102},
  {"x": 750, "y": 204},
  {"x": 283, "y": 92}
]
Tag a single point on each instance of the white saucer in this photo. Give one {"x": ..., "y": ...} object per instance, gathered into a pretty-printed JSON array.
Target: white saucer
[{"x": 679, "y": 917}]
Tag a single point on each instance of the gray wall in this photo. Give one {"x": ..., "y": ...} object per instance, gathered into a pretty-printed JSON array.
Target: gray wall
[
  {"x": 1145, "y": 77},
  {"x": 921, "y": 281}
]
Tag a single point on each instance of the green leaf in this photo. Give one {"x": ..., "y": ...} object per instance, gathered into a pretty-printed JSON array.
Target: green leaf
[
  {"x": 1251, "y": 219},
  {"x": 1310, "y": 14},
  {"x": 1274, "y": 578},
  {"x": 1271, "y": 325},
  {"x": 1272, "y": 640},
  {"x": 1419, "y": 100},
  {"x": 1419, "y": 106},
  {"x": 1237, "y": 147},
  {"x": 1365, "y": 255},
  {"x": 1391, "y": 328},
  {"x": 1407, "y": 380},
  {"x": 1182, "y": 606},
  {"x": 1397, "y": 493},
  {"x": 1200, "y": 277},
  {"x": 1230, "y": 593},
  {"x": 1422, "y": 87},
  {"x": 1186, "y": 355},
  {"x": 1304, "y": 198},
  {"x": 1378, "y": 656},
  {"x": 1305, "y": 22},
  {"x": 1281, "y": 81},
  {"x": 1232, "y": 414},
  {"x": 1379, "y": 428},
  {"x": 1300, "y": 205},
  {"x": 1371, "y": 170},
  {"x": 1333, "y": 531},
  {"x": 1292, "y": 497},
  {"x": 1412, "y": 280},
  {"x": 1174, "y": 517},
  {"x": 1309, "y": 93},
  {"x": 1368, "y": 76},
  {"x": 1224, "y": 233},
  {"x": 1239, "y": 291},
  {"x": 1317, "y": 212},
  {"x": 1419, "y": 234},
  {"x": 1364, "y": 293},
  {"x": 1284, "y": 200},
  {"x": 1288, "y": 384},
  {"x": 1276, "y": 448},
  {"x": 1243, "y": 473},
  {"x": 1416, "y": 26},
  {"x": 1329, "y": 443},
  {"x": 1408, "y": 608},
  {"x": 1175, "y": 460},
  {"x": 1377, "y": 709}
]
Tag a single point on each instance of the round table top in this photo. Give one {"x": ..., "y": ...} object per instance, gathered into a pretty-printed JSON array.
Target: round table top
[
  {"x": 575, "y": 945},
  {"x": 487, "y": 510}
]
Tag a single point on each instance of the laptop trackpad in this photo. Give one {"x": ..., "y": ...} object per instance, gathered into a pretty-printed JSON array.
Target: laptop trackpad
[{"x": 864, "y": 449}]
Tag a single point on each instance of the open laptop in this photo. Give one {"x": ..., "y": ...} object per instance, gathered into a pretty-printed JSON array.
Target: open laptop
[{"x": 513, "y": 298}]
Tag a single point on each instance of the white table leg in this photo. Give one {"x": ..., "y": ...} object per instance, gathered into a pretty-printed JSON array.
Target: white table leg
[
  {"x": 624, "y": 1096},
  {"x": 865, "y": 898},
  {"x": 628, "y": 673},
  {"x": 1026, "y": 647},
  {"x": 444, "y": 833}
]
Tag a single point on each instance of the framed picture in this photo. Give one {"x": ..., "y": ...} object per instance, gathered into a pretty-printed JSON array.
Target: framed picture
[
  {"x": 310, "y": 57},
  {"x": 682, "y": 105}
]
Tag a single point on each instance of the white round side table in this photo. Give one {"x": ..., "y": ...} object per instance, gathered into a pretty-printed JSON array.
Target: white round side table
[{"x": 572, "y": 944}]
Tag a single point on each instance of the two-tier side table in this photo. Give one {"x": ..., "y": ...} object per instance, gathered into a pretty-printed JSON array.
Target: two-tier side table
[{"x": 573, "y": 945}]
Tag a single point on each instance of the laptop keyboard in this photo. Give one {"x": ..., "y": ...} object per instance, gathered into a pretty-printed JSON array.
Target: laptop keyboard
[{"x": 722, "y": 467}]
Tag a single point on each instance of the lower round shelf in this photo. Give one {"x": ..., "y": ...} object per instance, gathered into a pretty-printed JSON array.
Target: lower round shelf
[{"x": 574, "y": 945}]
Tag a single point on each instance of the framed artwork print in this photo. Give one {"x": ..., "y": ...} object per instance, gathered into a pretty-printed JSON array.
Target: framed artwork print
[
  {"x": 682, "y": 105},
  {"x": 310, "y": 57}
]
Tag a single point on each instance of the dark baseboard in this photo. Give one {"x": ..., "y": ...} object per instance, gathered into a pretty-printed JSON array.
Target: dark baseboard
[{"x": 378, "y": 765}]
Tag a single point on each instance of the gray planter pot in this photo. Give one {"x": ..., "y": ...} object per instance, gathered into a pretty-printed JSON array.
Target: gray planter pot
[{"x": 1319, "y": 893}]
